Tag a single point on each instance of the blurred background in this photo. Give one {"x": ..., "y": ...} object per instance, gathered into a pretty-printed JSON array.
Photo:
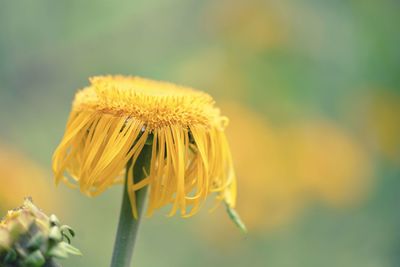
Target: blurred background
[{"x": 312, "y": 89}]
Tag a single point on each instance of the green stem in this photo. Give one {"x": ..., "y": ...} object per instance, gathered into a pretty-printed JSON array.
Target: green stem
[{"x": 128, "y": 225}]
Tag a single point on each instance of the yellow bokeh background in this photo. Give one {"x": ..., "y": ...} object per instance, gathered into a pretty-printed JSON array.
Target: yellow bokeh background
[{"x": 312, "y": 92}]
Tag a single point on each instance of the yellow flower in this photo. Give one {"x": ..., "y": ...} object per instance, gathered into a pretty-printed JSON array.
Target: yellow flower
[{"x": 114, "y": 117}]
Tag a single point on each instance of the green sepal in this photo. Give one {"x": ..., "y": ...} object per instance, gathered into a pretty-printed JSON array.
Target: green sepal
[
  {"x": 35, "y": 259},
  {"x": 54, "y": 221},
  {"x": 64, "y": 236},
  {"x": 11, "y": 256},
  {"x": 71, "y": 249},
  {"x": 36, "y": 241},
  {"x": 234, "y": 216},
  {"x": 67, "y": 228},
  {"x": 58, "y": 252},
  {"x": 55, "y": 234},
  {"x": 61, "y": 250}
]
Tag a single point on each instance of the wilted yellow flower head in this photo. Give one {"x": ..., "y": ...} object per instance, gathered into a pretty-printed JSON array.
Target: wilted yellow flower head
[{"x": 114, "y": 117}]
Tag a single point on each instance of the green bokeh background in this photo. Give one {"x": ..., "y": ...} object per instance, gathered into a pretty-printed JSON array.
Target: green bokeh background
[{"x": 284, "y": 59}]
